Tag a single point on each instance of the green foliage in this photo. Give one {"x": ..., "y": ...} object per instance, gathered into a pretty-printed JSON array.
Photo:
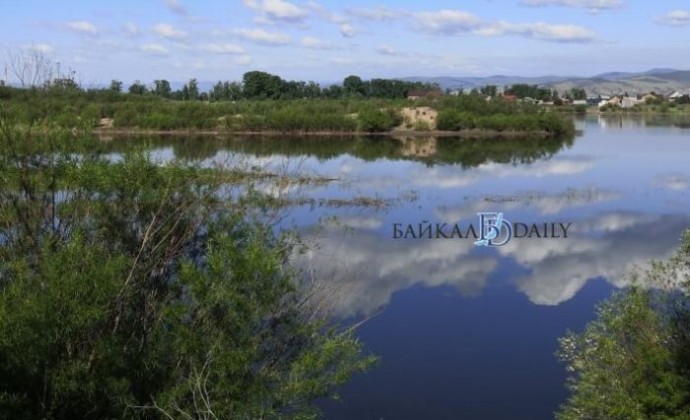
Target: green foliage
[
  {"x": 131, "y": 289},
  {"x": 162, "y": 88},
  {"x": 633, "y": 361},
  {"x": 577, "y": 94},
  {"x": 115, "y": 86},
  {"x": 378, "y": 120},
  {"x": 454, "y": 120},
  {"x": 137, "y": 88},
  {"x": 522, "y": 90},
  {"x": 354, "y": 85},
  {"x": 155, "y": 112},
  {"x": 489, "y": 90}
]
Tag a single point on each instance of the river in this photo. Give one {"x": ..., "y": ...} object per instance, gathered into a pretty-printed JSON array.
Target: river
[{"x": 467, "y": 331}]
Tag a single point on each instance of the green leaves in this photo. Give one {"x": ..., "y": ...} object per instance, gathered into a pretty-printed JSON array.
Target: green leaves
[
  {"x": 131, "y": 287},
  {"x": 632, "y": 361}
]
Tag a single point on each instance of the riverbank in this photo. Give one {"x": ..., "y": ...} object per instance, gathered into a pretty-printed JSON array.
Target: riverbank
[{"x": 466, "y": 133}]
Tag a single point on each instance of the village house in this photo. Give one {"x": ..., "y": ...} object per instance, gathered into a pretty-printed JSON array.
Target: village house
[
  {"x": 678, "y": 94},
  {"x": 629, "y": 102},
  {"x": 427, "y": 94}
]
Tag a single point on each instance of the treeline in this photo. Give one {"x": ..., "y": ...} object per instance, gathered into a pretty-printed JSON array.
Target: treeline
[
  {"x": 255, "y": 85},
  {"x": 262, "y": 106}
]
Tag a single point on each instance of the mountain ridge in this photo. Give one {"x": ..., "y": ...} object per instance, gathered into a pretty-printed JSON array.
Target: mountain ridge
[{"x": 659, "y": 80}]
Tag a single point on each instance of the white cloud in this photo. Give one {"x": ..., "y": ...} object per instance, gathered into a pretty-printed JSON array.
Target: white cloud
[
  {"x": 327, "y": 15},
  {"x": 168, "y": 31},
  {"x": 243, "y": 60},
  {"x": 176, "y": 7},
  {"x": 278, "y": 10},
  {"x": 347, "y": 30},
  {"x": 542, "y": 203},
  {"x": 541, "y": 31},
  {"x": 446, "y": 22},
  {"x": 342, "y": 61},
  {"x": 41, "y": 48},
  {"x": 318, "y": 44},
  {"x": 676, "y": 182},
  {"x": 380, "y": 13},
  {"x": 131, "y": 29},
  {"x": 446, "y": 177},
  {"x": 155, "y": 49},
  {"x": 455, "y": 22},
  {"x": 359, "y": 273},
  {"x": 593, "y": 5},
  {"x": 226, "y": 48},
  {"x": 259, "y": 36},
  {"x": 675, "y": 18},
  {"x": 83, "y": 26},
  {"x": 387, "y": 50},
  {"x": 559, "y": 269}
]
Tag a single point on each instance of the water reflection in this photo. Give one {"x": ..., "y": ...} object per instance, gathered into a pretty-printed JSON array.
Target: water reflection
[
  {"x": 447, "y": 150},
  {"x": 365, "y": 267},
  {"x": 457, "y": 322}
]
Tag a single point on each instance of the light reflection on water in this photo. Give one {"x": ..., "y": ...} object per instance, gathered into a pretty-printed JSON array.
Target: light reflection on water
[{"x": 465, "y": 332}]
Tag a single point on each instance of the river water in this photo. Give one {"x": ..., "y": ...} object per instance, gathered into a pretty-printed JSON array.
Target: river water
[{"x": 465, "y": 331}]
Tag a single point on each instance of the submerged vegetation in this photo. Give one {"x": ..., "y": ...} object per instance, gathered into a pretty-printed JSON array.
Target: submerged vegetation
[{"x": 139, "y": 290}]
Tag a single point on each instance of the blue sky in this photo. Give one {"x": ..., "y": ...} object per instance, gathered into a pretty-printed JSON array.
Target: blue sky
[{"x": 328, "y": 40}]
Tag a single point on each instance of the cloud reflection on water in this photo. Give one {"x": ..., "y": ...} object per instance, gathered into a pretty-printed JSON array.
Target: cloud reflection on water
[{"x": 366, "y": 266}]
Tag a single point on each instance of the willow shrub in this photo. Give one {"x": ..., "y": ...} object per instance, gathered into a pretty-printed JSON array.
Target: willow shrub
[
  {"x": 633, "y": 360},
  {"x": 130, "y": 289}
]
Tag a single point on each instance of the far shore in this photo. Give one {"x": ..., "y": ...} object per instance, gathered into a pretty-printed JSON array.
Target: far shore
[{"x": 470, "y": 133}]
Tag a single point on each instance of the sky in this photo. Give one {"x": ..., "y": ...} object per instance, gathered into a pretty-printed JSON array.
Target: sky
[{"x": 326, "y": 41}]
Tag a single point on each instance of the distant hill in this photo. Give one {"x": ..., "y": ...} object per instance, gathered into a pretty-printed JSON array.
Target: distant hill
[
  {"x": 472, "y": 82},
  {"x": 660, "y": 80}
]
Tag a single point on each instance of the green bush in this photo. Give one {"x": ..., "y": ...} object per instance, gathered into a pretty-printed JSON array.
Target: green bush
[
  {"x": 377, "y": 120},
  {"x": 632, "y": 361},
  {"x": 128, "y": 290}
]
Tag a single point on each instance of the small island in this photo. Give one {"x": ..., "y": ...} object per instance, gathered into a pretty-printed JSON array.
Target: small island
[{"x": 265, "y": 104}]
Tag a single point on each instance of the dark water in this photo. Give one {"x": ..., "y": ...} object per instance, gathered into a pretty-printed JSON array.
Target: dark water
[{"x": 467, "y": 332}]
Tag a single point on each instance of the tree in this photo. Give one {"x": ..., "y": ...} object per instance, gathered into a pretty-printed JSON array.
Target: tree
[
  {"x": 162, "y": 88},
  {"x": 685, "y": 99},
  {"x": 354, "y": 86},
  {"x": 116, "y": 86},
  {"x": 633, "y": 360},
  {"x": 31, "y": 68},
  {"x": 489, "y": 90},
  {"x": 261, "y": 85},
  {"x": 578, "y": 94},
  {"x": 137, "y": 88},
  {"x": 129, "y": 290},
  {"x": 192, "y": 90},
  {"x": 64, "y": 82}
]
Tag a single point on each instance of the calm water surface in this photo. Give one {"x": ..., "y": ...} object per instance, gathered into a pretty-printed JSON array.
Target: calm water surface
[{"x": 466, "y": 332}]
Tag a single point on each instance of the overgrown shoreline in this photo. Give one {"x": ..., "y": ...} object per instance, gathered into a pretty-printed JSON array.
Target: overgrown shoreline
[{"x": 466, "y": 133}]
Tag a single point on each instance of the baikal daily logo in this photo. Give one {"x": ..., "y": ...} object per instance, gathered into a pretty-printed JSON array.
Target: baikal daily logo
[{"x": 493, "y": 230}]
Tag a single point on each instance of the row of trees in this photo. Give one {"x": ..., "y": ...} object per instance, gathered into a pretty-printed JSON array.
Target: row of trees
[{"x": 261, "y": 85}]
